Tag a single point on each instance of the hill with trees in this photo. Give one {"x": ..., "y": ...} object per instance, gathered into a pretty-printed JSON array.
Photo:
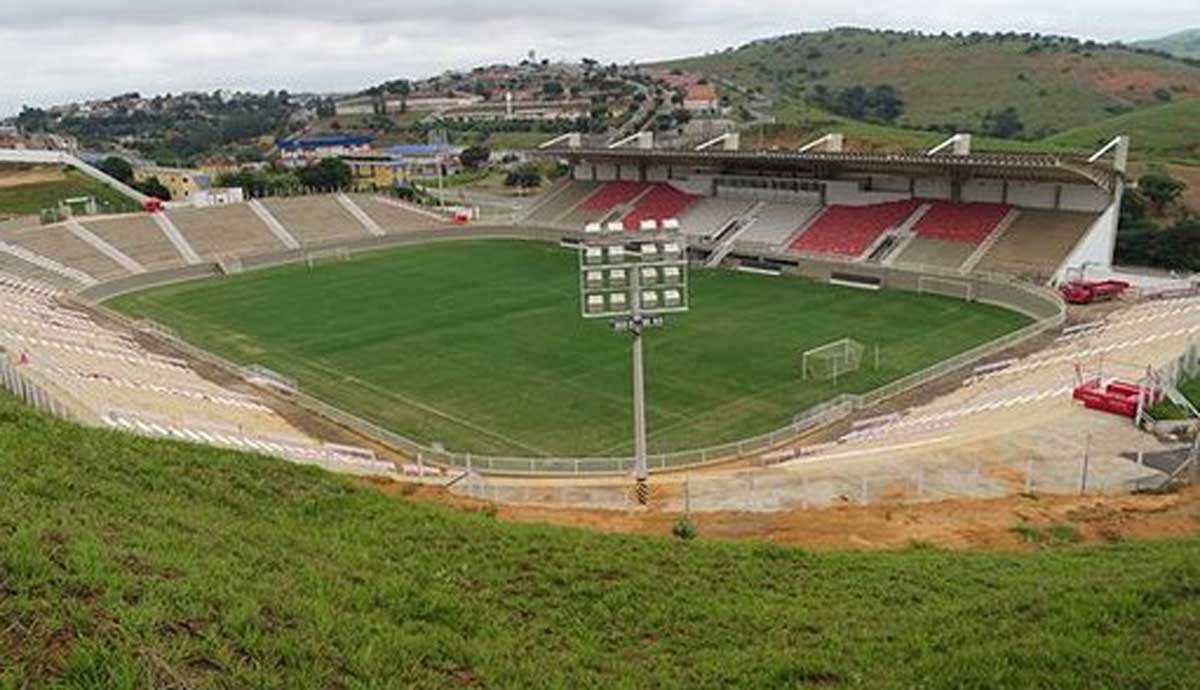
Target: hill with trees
[
  {"x": 1007, "y": 85},
  {"x": 1182, "y": 43}
]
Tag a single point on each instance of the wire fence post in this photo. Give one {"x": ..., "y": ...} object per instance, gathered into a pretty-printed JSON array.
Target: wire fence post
[
  {"x": 1083, "y": 475},
  {"x": 687, "y": 494},
  {"x": 1029, "y": 475}
]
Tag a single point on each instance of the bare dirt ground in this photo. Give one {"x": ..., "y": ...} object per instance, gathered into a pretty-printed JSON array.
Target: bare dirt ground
[
  {"x": 959, "y": 524},
  {"x": 16, "y": 176}
]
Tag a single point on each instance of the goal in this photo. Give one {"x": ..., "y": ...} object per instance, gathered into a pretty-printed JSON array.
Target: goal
[
  {"x": 948, "y": 287},
  {"x": 314, "y": 259},
  {"x": 828, "y": 362}
]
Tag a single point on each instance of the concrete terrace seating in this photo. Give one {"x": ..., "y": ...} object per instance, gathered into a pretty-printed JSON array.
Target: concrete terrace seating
[
  {"x": 232, "y": 229},
  {"x": 315, "y": 219},
  {"x": 24, "y": 270},
  {"x": 394, "y": 219},
  {"x": 102, "y": 369},
  {"x": 566, "y": 199},
  {"x": 964, "y": 222},
  {"x": 708, "y": 215},
  {"x": 139, "y": 238},
  {"x": 1036, "y": 243},
  {"x": 60, "y": 244},
  {"x": 661, "y": 202},
  {"x": 602, "y": 202},
  {"x": 933, "y": 251},
  {"x": 775, "y": 223},
  {"x": 850, "y": 230}
]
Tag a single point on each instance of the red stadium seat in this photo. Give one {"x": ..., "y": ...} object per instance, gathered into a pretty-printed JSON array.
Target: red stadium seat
[
  {"x": 612, "y": 195},
  {"x": 660, "y": 203},
  {"x": 968, "y": 222},
  {"x": 850, "y": 230}
]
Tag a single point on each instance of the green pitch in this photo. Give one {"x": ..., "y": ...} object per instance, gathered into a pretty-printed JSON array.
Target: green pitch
[{"x": 479, "y": 345}]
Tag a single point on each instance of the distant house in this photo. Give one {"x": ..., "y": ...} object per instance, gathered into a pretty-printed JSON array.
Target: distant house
[
  {"x": 182, "y": 183},
  {"x": 702, "y": 99},
  {"x": 387, "y": 168},
  {"x": 300, "y": 151}
]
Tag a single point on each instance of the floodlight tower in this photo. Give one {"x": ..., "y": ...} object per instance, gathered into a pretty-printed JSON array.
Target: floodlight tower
[{"x": 633, "y": 280}]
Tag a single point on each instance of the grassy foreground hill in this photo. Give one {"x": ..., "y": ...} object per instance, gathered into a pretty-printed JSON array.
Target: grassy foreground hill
[
  {"x": 954, "y": 82},
  {"x": 130, "y": 563}
]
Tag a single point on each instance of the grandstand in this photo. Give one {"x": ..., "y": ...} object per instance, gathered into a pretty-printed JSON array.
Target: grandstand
[
  {"x": 393, "y": 216},
  {"x": 961, "y": 222},
  {"x": 775, "y": 223},
  {"x": 663, "y": 201},
  {"x": 231, "y": 229},
  {"x": 139, "y": 238},
  {"x": 851, "y": 230},
  {"x": 103, "y": 374},
  {"x": 707, "y": 217},
  {"x": 1037, "y": 243},
  {"x": 954, "y": 211},
  {"x": 601, "y": 203},
  {"x": 559, "y": 202},
  {"x": 64, "y": 247},
  {"x": 315, "y": 220}
]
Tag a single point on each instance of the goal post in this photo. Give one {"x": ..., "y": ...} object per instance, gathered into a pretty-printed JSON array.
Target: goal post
[
  {"x": 830, "y": 361},
  {"x": 324, "y": 256},
  {"x": 947, "y": 287}
]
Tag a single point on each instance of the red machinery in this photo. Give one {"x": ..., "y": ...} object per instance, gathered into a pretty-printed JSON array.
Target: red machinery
[
  {"x": 1089, "y": 291},
  {"x": 1118, "y": 397},
  {"x": 152, "y": 204}
]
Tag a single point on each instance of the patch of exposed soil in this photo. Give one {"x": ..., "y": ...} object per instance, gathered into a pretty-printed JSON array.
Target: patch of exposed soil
[{"x": 959, "y": 524}]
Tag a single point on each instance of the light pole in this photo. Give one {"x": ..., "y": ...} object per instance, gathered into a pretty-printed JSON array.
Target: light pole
[{"x": 633, "y": 280}]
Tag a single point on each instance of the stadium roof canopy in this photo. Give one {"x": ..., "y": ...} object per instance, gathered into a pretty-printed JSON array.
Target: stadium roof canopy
[{"x": 1029, "y": 167}]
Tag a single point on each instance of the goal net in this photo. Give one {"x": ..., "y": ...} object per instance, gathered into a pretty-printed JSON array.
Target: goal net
[
  {"x": 828, "y": 362},
  {"x": 314, "y": 259},
  {"x": 948, "y": 287}
]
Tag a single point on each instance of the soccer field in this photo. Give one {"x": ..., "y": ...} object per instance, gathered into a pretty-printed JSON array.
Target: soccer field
[{"x": 478, "y": 345}]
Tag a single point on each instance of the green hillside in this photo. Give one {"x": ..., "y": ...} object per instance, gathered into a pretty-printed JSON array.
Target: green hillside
[
  {"x": 130, "y": 563},
  {"x": 953, "y": 82},
  {"x": 1165, "y": 131},
  {"x": 31, "y": 199},
  {"x": 1182, "y": 43}
]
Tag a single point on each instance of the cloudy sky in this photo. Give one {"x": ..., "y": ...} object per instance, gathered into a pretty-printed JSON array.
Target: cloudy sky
[{"x": 52, "y": 51}]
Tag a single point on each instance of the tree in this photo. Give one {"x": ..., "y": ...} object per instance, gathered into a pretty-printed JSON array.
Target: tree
[
  {"x": 330, "y": 173},
  {"x": 524, "y": 176},
  {"x": 33, "y": 120},
  {"x": 152, "y": 186},
  {"x": 552, "y": 90},
  {"x": 326, "y": 108},
  {"x": 475, "y": 157},
  {"x": 1161, "y": 189},
  {"x": 117, "y": 168},
  {"x": 1005, "y": 124}
]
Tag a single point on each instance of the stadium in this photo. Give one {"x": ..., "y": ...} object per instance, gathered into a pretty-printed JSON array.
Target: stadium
[{"x": 830, "y": 292}]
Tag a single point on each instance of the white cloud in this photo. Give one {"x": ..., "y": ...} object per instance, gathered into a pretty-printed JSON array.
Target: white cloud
[{"x": 57, "y": 50}]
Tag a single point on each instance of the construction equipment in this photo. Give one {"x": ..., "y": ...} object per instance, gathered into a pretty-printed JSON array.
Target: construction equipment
[
  {"x": 1117, "y": 397},
  {"x": 1091, "y": 291}
]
